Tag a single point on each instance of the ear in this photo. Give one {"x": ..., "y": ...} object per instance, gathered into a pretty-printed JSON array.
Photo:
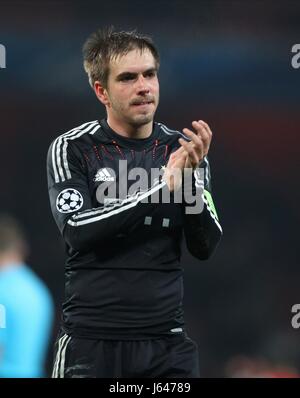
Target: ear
[{"x": 101, "y": 93}]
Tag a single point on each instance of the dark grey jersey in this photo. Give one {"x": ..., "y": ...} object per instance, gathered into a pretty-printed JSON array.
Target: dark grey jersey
[{"x": 124, "y": 278}]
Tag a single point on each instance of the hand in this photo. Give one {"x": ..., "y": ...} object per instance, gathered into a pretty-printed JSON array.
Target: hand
[
  {"x": 199, "y": 145},
  {"x": 174, "y": 169},
  {"x": 189, "y": 155}
]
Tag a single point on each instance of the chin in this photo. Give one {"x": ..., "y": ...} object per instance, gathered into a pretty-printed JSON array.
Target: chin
[{"x": 143, "y": 119}]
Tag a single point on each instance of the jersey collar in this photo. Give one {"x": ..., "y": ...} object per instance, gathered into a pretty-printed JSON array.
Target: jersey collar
[{"x": 132, "y": 143}]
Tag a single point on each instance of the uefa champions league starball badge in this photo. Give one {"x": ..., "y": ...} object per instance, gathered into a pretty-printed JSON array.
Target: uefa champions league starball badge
[{"x": 69, "y": 200}]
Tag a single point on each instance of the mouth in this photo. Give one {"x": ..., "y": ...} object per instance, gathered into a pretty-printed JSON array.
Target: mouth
[{"x": 143, "y": 104}]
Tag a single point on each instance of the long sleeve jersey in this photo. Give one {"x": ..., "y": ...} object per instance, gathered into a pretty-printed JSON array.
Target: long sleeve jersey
[{"x": 123, "y": 274}]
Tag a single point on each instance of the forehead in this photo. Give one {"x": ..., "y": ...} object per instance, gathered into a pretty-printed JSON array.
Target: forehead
[{"x": 134, "y": 61}]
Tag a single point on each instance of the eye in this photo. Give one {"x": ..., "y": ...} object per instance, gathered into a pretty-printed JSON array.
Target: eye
[
  {"x": 150, "y": 74},
  {"x": 127, "y": 78}
]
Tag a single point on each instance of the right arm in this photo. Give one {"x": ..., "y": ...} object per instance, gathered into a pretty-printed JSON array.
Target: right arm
[{"x": 83, "y": 225}]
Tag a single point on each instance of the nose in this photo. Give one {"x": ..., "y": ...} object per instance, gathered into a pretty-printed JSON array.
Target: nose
[{"x": 142, "y": 86}]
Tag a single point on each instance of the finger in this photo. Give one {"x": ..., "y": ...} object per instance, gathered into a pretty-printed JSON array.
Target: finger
[
  {"x": 196, "y": 139},
  {"x": 197, "y": 143},
  {"x": 203, "y": 133},
  {"x": 178, "y": 158},
  {"x": 194, "y": 156},
  {"x": 206, "y": 126},
  {"x": 179, "y": 151},
  {"x": 209, "y": 132},
  {"x": 201, "y": 130}
]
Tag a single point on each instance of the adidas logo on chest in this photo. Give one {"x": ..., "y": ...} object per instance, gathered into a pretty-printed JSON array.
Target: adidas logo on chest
[{"x": 103, "y": 175}]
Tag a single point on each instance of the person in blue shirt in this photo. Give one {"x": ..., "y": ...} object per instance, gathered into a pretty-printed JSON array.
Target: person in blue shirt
[{"x": 26, "y": 308}]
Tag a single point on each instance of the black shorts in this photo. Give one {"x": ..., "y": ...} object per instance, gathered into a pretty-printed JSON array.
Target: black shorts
[{"x": 170, "y": 356}]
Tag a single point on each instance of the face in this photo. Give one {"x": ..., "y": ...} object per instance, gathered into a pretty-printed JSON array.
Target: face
[{"x": 132, "y": 93}]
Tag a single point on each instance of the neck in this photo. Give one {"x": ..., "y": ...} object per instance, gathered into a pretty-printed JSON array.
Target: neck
[
  {"x": 128, "y": 130},
  {"x": 9, "y": 261}
]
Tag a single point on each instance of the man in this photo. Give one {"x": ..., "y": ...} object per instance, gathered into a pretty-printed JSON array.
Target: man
[
  {"x": 26, "y": 308},
  {"x": 123, "y": 315}
]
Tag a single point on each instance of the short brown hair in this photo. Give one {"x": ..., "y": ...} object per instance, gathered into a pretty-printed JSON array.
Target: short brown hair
[{"x": 106, "y": 44}]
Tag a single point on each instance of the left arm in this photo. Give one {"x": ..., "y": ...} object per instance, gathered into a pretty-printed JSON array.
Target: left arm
[{"x": 202, "y": 229}]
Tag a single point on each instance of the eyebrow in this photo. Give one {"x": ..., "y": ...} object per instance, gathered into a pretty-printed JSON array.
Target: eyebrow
[{"x": 133, "y": 74}]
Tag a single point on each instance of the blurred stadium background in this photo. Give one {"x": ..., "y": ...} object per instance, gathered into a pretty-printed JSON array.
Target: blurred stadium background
[{"x": 226, "y": 62}]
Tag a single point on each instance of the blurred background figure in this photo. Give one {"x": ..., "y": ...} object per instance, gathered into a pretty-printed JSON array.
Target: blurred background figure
[{"x": 26, "y": 308}]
